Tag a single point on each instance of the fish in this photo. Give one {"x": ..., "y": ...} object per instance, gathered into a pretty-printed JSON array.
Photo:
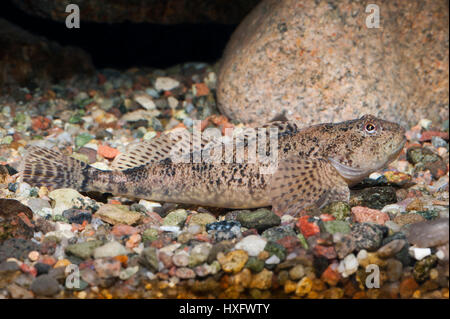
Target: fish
[{"x": 309, "y": 166}]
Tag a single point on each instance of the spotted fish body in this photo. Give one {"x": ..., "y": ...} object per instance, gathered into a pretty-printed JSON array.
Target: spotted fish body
[{"x": 315, "y": 165}]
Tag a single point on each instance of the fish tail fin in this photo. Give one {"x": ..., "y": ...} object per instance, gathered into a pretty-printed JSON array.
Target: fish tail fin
[{"x": 45, "y": 167}]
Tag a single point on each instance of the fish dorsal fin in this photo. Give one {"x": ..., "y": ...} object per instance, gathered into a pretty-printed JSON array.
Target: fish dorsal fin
[
  {"x": 175, "y": 145},
  {"x": 299, "y": 183},
  {"x": 284, "y": 128}
]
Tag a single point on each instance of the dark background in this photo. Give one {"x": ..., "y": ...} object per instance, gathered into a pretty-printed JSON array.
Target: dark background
[{"x": 124, "y": 45}]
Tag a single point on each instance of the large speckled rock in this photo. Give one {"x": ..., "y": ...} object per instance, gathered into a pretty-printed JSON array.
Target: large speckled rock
[
  {"x": 26, "y": 58},
  {"x": 317, "y": 61}
]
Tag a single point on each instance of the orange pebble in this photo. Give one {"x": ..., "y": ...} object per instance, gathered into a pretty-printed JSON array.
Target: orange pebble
[
  {"x": 62, "y": 263},
  {"x": 107, "y": 152}
]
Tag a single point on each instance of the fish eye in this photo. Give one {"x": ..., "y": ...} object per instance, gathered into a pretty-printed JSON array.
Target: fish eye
[{"x": 370, "y": 128}]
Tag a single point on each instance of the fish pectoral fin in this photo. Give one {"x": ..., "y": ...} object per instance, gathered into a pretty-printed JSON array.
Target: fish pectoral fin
[{"x": 299, "y": 183}]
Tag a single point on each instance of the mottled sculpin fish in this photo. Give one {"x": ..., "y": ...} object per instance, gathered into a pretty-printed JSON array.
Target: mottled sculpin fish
[{"x": 315, "y": 166}]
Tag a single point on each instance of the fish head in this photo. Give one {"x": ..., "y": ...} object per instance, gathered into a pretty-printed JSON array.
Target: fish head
[{"x": 365, "y": 145}]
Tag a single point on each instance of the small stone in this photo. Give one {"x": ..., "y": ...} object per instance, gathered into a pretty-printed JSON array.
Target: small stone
[
  {"x": 340, "y": 210},
  {"x": 391, "y": 248},
  {"x": 150, "y": 234},
  {"x": 331, "y": 275},
  {"x": 297, "y": 272},
  {"x": 365, "y": 215},
  {"x": 255, "y": 264},
  {"x": 83, "y": 250},
  {"x": 45, "y": 285},
  {"x": 252, "y": 244},
  {"x": 327, "y": 252},
  {"x": 392, "y": 226},
  {"x": 429, "y": 233},
  {"x": 184, "y": 273},
  {"x": 422, "y": 268},
  {"x": 107, "y": 267},
  {"x": 260, "y": 219},
  {"x": 304, "y": 286},
  {"x": 149, "y": 258},
  {"x": 176, "y": 218},
  {"x": 308, "y": 226},
  {"x": 110, "y": 249},
  {"x": 367, "y": 236},
  {"x": 18, "y": 292},
  {"x": 348, "y": 266},
  {"x": 82, "y": 139},
  {"x": 145, "y": 101},
  {"x": 373, "y": 197},
  {"x": 107, "y": 152},
  {"x": 394, "y": 269},
  {"x": 419, "y": 253},
  {"x": 409, "y": 218},
  {"x": 77, "y": 216},
  {"x": 202, "y": 219},
  {"x": 181, "y": 258},
  {"x": 121, "y": 230},
  {"x": 407, "y": 287},
  {"x": 262, "y": 280},
  {"x": 336, "y": 226},
  {"x": 276, "y": 249},
  {"x": 272, "y": 260},
  {"x": 166, "y": 84},
  {"x": 234, "y": 261},
  {"x": 33, "y": 255},
  {"x": 415, "y": 205},
  {"x": 199, "y": 254},
  {"x": 67, "y": 198},
  {"x": 117, "y": 214}
]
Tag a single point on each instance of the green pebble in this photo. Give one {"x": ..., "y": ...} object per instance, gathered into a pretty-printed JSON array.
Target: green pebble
[
  {"x": 336, "y": 226},
  {"x": 260, "y": 219},
  {"x": 340, "y": 210},
  {"x": 150, "y": 234},
  {"x": 60, "y": 218},
  {"x": 275, "y": 249},
  {"x": 34, "y": 192},
  {"x": 83, "y": 250},
  {"x": 82, "y": 139},
  {"x": 303, "y": 241},
  {"x": 6, "y": 140},
  {"x": 422, "y": 268},
  {"x": 176, "y": 218},
  {"x": 428, "y": 214},
  {"x": 254, "y": 264}
]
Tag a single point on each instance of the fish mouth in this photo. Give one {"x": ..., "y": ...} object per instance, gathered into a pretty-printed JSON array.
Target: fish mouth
[{"x": 354, "y": 175}]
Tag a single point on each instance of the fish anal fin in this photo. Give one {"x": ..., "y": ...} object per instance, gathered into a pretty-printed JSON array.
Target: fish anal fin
[{"x": 299, "y": 183}]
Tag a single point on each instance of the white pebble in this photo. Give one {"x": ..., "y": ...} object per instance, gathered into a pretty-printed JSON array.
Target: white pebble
[
  {"x": 440, "y": 254},
  {"x": 149, "y": 205},
  {"x": 425, "y": 123},
  {"x": 419, "y": 253},
  {"x": 375, "y": 176},
  {"x": 146, "y": 102},
  {"x": 392, "y": 208},
  {"x": 273, "y": 260},
  {"x": 349, "y": 265},
  {"x": 362, "y": 254},
  {"x": 173, "y": 102},
  {"x": 172, "y": 229},
  {"x": 166, "y": 84},
  {"x": 252, "y": 244}
]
